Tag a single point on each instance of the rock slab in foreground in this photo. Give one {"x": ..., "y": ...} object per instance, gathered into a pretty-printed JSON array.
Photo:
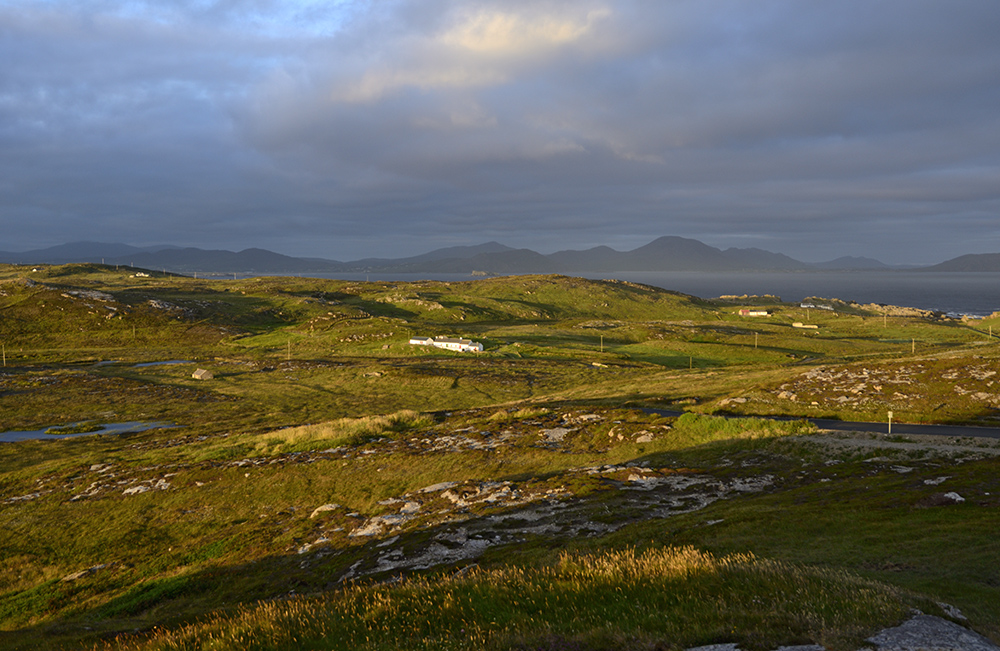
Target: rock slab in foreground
[
  {"x": 927, "y": 633},
  {"x": 921, "y": 633}
]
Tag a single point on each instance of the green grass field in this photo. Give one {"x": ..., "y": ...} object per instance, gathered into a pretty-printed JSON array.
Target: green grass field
[{"x": 335, "y": 487}]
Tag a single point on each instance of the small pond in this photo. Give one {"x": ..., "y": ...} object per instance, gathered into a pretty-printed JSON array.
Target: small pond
[
  {"x": 164, "y": 363},
  {"x": 106, "y": 428}
]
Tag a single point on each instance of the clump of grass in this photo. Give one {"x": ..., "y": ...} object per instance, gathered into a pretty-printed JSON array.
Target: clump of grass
[
  {"x": 696, "y": 429},
  {"x": 343, "y": 431},
  {"x": 504, "y": 416},
  {"x": 76, "y": 428},
  {"x": 661, "y": 598}
]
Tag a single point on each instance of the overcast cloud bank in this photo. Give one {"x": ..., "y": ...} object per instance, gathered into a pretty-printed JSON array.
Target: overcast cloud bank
[{"x": 390, "y": 128}]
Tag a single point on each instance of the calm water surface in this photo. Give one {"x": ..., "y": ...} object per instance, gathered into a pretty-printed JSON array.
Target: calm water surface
[
  {"x": 956, "y": 293},
  {"x": 108, "y": 428}
]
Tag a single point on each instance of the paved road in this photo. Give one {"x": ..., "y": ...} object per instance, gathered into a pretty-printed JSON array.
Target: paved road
[
  {"x": 897, "y": 428},
  {"x": 905, "y": 428}
]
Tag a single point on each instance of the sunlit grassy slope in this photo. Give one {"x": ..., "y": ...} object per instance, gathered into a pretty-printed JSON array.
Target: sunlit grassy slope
[{"x": 319, "y": 401}]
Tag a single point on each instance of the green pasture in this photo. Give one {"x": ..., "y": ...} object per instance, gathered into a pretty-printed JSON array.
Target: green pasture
[{"x": 317, "y": 398}]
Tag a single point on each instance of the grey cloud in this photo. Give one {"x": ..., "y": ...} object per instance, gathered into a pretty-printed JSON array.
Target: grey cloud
[{"x": 359, "y": 127}]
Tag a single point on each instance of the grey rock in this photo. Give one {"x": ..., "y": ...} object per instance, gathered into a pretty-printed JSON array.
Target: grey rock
[
  {"x": 433, "y": 488},
  {"x": 83, "y": 573},
  {"x": 952, "y": 612},
  {"x": 555, "y": 435},
  {"x": 323, "y": 508},
  {"x": 928, "y": 633},
  {"x": 920, "y": 633}
]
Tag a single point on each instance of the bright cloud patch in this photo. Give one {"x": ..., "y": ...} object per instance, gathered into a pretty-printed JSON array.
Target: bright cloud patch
[{"x": 507, "y": 33}]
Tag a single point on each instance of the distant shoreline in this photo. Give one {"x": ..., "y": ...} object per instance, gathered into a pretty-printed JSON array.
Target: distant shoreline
[{"x": 955, "y": 293}]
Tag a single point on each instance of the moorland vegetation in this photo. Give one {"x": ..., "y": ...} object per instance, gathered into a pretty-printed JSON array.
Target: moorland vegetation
[{"x": 605, "y": 475}]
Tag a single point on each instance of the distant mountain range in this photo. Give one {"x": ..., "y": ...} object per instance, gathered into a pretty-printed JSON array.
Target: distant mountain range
[
  {"x": 971, "y": 262},
  {"x": 663, "y": 254}
]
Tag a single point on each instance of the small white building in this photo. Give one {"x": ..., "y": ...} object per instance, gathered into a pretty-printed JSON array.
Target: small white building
[
  {"x": 449, "y": 343},
  {"x": 460, "y": 345}
]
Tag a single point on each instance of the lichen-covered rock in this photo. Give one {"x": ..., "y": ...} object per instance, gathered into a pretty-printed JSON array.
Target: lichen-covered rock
[{"x": 928, "y": 633}]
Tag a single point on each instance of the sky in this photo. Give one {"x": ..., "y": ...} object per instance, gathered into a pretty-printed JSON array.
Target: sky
[{"x": 356, "y": 128}]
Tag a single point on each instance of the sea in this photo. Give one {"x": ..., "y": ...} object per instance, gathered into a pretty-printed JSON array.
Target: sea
[{"x": 952, "y": 293}]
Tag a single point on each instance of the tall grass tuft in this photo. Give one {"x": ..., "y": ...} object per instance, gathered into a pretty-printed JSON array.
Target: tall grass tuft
[
  {"x": 343, "y": 431},
  {"x": 660, "y": 598},
  {"x": 696, "y": 429},
  {"x": 504, "y": 415}
]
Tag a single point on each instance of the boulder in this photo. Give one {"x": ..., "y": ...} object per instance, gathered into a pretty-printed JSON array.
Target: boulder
[
  {"x": 324, "y": 508},
  {"x": 434, "y": 488},
  {"x": 927, "y": 633}
]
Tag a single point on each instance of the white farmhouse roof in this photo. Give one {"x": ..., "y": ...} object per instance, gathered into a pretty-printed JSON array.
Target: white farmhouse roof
[{"x": 449, "y": 343}]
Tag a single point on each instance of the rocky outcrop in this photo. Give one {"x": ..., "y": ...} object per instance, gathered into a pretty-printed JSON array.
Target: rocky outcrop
[
  {"x": 928, "y": 633},
  {"x": 919, "y": 633}
]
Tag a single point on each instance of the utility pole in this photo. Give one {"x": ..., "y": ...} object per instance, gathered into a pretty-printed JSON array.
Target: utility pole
[
  {"x": 5, "y": 355},
  {"x": 755, "y": 341},
  {"x": 602, "y": 343},
  {"x": 890, "y": 422},
  {"x": 913, "y": 346}
]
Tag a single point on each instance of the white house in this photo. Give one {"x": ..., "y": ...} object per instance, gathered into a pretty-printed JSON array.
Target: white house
[
  {"x": 461, "y": 345},
  {"x": 449, "y": 343}
]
